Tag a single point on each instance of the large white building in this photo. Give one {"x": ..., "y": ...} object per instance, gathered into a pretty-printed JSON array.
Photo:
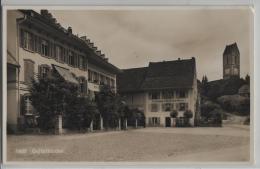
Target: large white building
[
  {"x": 160, "y": 88},
  {"x": 36, "y": 43}
]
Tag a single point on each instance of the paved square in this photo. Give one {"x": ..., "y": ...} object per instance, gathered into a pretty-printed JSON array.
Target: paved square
[{"x": 148, "y": 144}]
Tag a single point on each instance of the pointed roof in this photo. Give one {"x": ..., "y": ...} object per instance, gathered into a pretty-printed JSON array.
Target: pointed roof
[{"x": 231, "y": 48}]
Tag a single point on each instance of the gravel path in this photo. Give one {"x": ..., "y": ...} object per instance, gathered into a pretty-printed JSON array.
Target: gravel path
[{"x": 149, "y": 144}]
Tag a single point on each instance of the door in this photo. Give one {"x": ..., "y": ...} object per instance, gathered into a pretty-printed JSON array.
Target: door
[{"x": 167, "y": 122}]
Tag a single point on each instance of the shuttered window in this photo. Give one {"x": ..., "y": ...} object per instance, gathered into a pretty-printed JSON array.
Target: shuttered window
[
  {"x": 27, "y": 40},
  {"x": 44, "y": 48},
  {"x": 28, "y": 70}
]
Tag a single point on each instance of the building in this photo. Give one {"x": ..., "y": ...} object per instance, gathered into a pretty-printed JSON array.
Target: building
[
  {"x": 36, "y": 43},
  {"x": 231, "y": 61},
  {"x": 160, "y": 88}
]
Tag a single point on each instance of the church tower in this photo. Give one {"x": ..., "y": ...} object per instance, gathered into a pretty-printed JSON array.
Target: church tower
[{"x": 231, "y": 61}]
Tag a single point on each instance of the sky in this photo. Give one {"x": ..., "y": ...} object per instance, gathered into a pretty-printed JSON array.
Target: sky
[{"x": 134, "y": 37}]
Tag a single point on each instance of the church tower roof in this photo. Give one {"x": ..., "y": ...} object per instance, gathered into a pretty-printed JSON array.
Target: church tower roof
[{"x": 231, "y": 48}]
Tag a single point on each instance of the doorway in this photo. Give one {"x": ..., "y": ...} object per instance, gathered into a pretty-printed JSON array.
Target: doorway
[{"x": 167, "y": 122}]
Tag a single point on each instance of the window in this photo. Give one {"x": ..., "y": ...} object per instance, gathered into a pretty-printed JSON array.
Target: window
[
  {"x": 28, "y": 70},
  {"x": 167, "y": 94},
  {"x": 71, "y": 60},
  {"x": 227, "y": 71},
  {"x": 96, "y": 78},
  {"x": 112, "y": 83},
  {"x": 167, "y": 107},
  {"x": 80, "y": 60},
  {"x": 236, "y": 71},
  {"x": 27, "y": 40},
  {"x": 154, "y": 95},
  {"x": 26, "y": 105},
  {"x": 154, "y": 108},
  {"x": 183, "y": 106},
  {"x": 102, "y": 79},
  {"x": 43, "y": 71},
  {"x": 154, "y": 121},
  {"x": 182, "y": 94},
  {"x": 44, "y": 48},
  {"x": 90, "y": 75},
  {"x": 59, "y": 54},
  {"x": 82, "y": 85}
]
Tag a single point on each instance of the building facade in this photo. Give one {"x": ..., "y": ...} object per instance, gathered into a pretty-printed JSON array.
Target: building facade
[
  {"x": 36, "y": 44},
  {"x": 231, "y": 61},
  {"x": 160, "y": 88}
]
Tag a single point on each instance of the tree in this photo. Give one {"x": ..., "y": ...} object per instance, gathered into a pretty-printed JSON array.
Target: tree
[
  {"x": 109, "y": 106},
  {"x": 50, "y": 97},
  {"x": 80, "y": 113},
  {"x": 204, "y": 85},
  {"x": 188, "y": 114},
  {"x": 174, "y": 114}
]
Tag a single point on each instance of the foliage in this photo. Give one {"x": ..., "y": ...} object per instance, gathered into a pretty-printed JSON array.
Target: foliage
[
  {"x": 188, "y": 114},
  {"x": 80, "y": 113},
  {"x": 50, "y": 97},
  {"x": 204, "y": 86},
  {"x": 224, "y": 87},
  {"x": 174, "y": 113},
  {"x": 208, "y": 106},
  {"x": 111, "y": 106},
  {"x": 235, "y": 103}
]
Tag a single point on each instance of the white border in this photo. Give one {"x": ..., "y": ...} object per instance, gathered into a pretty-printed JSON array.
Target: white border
[{"x": 94, "y": 164}]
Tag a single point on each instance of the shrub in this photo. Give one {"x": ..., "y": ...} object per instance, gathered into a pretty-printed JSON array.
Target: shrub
[
  {"x": 188, "y": 114},
  {"x": 174, "y": 114}
]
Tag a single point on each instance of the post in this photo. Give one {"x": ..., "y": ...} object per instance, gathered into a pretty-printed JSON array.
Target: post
[
  {"x": 101, "y": 123},
  {"x": 91, "y": 126},
  {"x": 119, "y": 124},
  {"x": 58, "y": 129},
  {"x": 136, "y": 123},
  {"x": 126, "y": 124}
]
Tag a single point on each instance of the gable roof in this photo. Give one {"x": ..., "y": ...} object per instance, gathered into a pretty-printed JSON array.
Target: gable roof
[
  {"x": 158, "y": 75},
  {"x": 231, "y": 48},
  {"x": 130, "y": 80}
]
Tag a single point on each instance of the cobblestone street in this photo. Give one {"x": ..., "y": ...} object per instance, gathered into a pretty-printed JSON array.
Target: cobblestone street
[{"x": 148, "y": 144}]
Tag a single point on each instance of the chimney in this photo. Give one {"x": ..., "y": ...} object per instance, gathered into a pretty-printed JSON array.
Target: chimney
[
  {"x": 69, "y": 30},
  {"x": 44, "y": 12},
  {"x": 83, "y": 38}
]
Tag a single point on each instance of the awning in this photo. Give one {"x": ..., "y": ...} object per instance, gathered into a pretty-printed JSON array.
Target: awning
[
  {"x": 11, "y": 59},
  {"x": 66, "y": 74}
]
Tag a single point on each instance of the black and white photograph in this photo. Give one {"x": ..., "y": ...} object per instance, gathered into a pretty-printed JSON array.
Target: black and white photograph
[{"x": 129, "y": 84}]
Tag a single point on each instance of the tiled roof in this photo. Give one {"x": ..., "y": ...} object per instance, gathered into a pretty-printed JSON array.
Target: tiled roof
[
  {"x": 231, "y": 48},
  {"x": 158, "y": 75},
  {"x": 131, "y": 79}
]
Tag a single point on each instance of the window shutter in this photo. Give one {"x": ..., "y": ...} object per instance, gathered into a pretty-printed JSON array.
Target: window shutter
[
  {"x": 22, "y": 38},
  {"x": 22, "y": 105},
  {"x": 39, "y": 71}
]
